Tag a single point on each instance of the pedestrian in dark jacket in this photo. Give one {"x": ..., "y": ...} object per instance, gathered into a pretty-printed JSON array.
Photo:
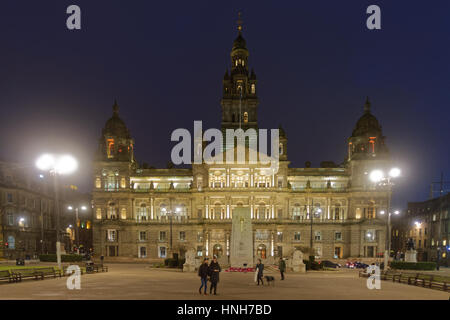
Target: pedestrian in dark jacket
[
  {"x": 214, "y": 270},
  {"x": 203, "y": 272},
  {"x": 260, "y": 269},
  {"x": 282, "y": 267}
]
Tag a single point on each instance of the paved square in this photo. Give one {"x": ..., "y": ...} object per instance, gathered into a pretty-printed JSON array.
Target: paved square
[{"x": 139, "y": 281}]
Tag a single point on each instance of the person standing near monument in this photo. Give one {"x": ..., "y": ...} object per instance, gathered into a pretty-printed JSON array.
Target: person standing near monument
[
  {"x": 282, "y": 267},
  {"x": 260, "y": 269},
  {"x": 214, "y": 270},
  {"x": 203, "y": 272}
]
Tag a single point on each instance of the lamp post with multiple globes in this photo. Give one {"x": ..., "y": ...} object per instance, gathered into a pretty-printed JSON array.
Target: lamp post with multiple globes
[
  {"x": 381, "y": 179},
  {"x": 77, "y": 225},
  {"x": 57, "y": 165}
]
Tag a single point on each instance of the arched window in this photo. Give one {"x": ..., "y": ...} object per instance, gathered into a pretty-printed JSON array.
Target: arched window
[
  {"x": 245, "y": 117},
  {"x": 123, "y": 214},
  {"x": 370, "y": 211},
  {"x": 297, "y": 212},
  {"x": 142, "y": 212},
  {"x": 218, "y": 211},
  {"x": 112, "y": 213},
  {"x": 261, "y": 214},
  {"x": 337, "y": 211},
  {"x": 261, "y": 251},
  {"x": 280, "y": 150},
  {"x": 217, "y": 251},
  {"x": 253, "y": 88},
  {"x": 162, "y": 210}
]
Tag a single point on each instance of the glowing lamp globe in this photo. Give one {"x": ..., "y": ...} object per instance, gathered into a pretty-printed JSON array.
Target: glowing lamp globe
[
  {"x": 376, "y": 175},
  {"x": 66, "y": 164},
  {"x": 395, "y": 172},
  {"x": 45, "y": 162}
]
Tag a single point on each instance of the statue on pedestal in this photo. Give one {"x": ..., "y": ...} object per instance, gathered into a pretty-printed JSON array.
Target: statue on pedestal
[
  {"x": 297, "y": 262},
  {"x": 190, "y": 264},
  {"x": 411, "y": 253}
]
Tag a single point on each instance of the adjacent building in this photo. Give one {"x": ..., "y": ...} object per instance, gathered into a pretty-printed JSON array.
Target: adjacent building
[
  {"x": 149, "y": 213},
  {"x": 427, "y": 223},
  {"x": 27, "y": 212}
]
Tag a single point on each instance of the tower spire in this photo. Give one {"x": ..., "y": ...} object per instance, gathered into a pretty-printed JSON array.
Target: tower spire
[
  {"x": 239, "y": 22},
  {"x": 367, "y": 105},
  {"x": 115, "y": 108}
]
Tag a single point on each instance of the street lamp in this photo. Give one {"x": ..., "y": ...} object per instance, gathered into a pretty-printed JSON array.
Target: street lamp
[
  {"x": 77, "y": 228},
  {"x": 381, "y": 179},
  {"x": 170, "y": 214},
  {"x": 57, "y": 165},
  {"x": 315, "y": 211}
]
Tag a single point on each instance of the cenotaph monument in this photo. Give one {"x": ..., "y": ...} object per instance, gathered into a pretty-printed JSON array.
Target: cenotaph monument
[{"x": 241, "y": 254}]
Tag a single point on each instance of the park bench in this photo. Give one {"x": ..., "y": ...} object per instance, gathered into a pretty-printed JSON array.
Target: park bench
[
  {"x": 49, "y": 271},
  {"x": 440, "y": 285},
  {"x": 7, "y": 275},
  {"x": 389, "y": 274},
  {"x": 400, "y": 277},
  {"x": 64, "y": 273},
  {"x": 101, "y": 267},
  {"x": 28, "y": 273}
]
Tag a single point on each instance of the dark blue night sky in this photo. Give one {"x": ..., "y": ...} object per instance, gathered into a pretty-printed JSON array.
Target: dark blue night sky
[{"x": 164, "y": 61}]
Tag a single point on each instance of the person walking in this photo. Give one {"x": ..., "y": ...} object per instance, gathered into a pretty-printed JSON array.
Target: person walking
[
  {"x": 214, "y": 269},
  {"x": 282, "y": 267},
  {"x": 203, "y": 271},
  {"x": 260, "y": 268}
]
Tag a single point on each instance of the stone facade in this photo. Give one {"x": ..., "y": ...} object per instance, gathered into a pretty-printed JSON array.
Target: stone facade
[
  {"x": 27, "y": 213},
  {"x": 427, "y": 223},
  {"x": 150, "y": 213}
]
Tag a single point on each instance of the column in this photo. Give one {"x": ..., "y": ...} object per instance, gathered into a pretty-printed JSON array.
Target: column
[
  {"x": 328, "y": 208},
  {"x": 151, "y": 208}
]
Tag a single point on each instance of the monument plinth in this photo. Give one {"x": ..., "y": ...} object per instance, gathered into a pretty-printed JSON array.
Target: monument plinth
[
  {"x": 241, "y": 254},
  {"x": 411, "y": 255}
]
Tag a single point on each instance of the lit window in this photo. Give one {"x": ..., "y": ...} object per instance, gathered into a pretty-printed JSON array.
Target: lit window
[
  {"x": 99, "y": 214},
  {"x": 318, "y": 235},
  {"x": 112, "y": 235},
  {"x": 370, "y": 235},
  {"x": 98, "y": 183},
  {"x": 142, "y": 252},
  {"x": 245, "y": 117},
  {"x": 162, "y": 252},
  {"x": 253, "y": 88},
  {"x": 123, "y": 214},
  {"x": 142, "y": 212},
  {"x": 280, "y": 236},
  {"x": 112, "y": 214}
]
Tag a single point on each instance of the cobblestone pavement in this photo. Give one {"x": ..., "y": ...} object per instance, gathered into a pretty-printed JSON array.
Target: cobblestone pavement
[{"x": 138, "y": 281}]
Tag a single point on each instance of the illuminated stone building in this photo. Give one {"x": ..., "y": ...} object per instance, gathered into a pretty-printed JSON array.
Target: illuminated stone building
[
  {"x": 428, "y": 224},
  {"x": 27, "y": 212},
  {"x": 148, "y": 213}
]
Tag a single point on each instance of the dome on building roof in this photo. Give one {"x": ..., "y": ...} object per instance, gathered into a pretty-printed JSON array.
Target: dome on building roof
[
  {"x": 115, "y": 125},
  {"x": 368, "y": 124}
]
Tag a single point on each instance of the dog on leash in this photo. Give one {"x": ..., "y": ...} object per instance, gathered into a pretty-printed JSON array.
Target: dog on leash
[{"x": 270, "y": 279}]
